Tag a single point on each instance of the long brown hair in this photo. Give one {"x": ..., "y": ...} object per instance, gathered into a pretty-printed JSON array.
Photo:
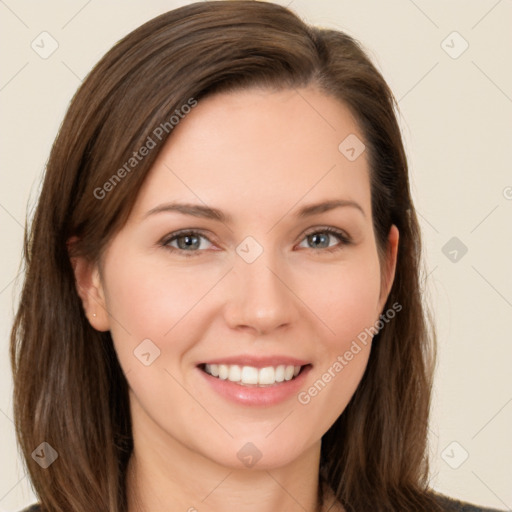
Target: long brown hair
[{"x": 69, "y": 389}]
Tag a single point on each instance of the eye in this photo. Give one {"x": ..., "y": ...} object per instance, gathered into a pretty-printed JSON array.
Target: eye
[
  {"x": 186, "y": 241},
  {"x": 190, "y": 242},
  {"x": 322, "y": 238}
]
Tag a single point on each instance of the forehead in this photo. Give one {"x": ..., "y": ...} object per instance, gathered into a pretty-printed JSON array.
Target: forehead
[{"x": 257, "y": 148}]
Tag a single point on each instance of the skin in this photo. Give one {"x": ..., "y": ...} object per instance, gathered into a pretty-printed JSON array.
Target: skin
[{"x": 259, "y": 156}]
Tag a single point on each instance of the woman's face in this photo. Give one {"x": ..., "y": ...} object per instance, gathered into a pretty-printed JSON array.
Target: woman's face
[{"x": 275, "y": 278}]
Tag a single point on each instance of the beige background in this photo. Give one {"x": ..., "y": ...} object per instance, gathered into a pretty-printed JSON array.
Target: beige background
[{"x": 456, "y": 116}]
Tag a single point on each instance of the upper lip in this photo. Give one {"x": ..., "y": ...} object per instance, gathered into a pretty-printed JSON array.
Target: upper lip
[{"x": 258, "y": 361}]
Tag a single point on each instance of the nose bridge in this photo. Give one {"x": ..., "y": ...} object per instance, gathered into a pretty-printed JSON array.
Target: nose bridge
[{"x": 262, "y": 300}]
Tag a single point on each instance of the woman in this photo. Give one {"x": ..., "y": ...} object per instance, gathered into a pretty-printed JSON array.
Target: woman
[{"x": 222, "y": 296}]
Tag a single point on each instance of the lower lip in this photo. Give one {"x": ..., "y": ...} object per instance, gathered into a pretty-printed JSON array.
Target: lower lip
[{"x": 253, "y": 395}]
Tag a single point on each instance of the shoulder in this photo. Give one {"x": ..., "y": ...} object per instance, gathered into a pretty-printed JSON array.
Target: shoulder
[
  {"x": 446, "y": 503},
  {"x": 32, "y": 508},
  {"x": 453, "y": 505}
]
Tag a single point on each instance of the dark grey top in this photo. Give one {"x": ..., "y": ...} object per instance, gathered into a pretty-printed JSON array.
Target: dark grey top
[{"x": 454, "y": 505}]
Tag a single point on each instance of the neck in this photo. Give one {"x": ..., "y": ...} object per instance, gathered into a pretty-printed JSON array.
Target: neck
[{"x": 163, "y": 474}]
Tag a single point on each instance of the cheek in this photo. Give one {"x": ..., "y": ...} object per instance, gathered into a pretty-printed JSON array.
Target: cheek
[
  {"x": 345, "y": 298},
  {"x": 346, "y": 301},
  {"x": 331, "y": 387},
  {"x": 150, "y": 300}
]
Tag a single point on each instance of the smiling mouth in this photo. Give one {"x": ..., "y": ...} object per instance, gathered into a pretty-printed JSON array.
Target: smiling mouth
[{"x": 252, "y": 376}]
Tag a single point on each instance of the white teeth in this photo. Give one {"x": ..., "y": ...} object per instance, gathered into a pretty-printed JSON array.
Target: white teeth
[
  {"x": 250, "y": 375},
  {"x": 212, "y": 369},
  {"x": 288, "y": 372},
  {"x": 280, "y": 373},
  {"x": 223, "y": 370},
  {"x": 235, "y": 373},
  {"x": 267, "y": 375}
]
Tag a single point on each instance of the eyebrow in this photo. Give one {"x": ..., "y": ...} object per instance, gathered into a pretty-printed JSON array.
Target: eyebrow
[{"x": 206, "y": 212}]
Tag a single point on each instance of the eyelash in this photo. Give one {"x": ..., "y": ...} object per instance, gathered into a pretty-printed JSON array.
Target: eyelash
[{"x": 344, "y": 240}]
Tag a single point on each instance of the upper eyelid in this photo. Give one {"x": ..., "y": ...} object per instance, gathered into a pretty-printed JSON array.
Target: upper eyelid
[
  {"x": 331, "y": 229},
  {"x": 186, "y": 231}
]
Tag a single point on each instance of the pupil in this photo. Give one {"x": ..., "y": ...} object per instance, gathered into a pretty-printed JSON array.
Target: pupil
[
  {"x": 189, "y": 241},
  {"x": 320, "y": 238}
]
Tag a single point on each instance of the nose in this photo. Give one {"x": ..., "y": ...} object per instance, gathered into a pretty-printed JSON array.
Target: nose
[{"x": 260, "y": 299}]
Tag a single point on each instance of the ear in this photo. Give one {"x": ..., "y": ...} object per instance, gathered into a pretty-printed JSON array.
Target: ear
[
  {"x": 90, "y": 290},
  {"x": 389, "y": 266}
]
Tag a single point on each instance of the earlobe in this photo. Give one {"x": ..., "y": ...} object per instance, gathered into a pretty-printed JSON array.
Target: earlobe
[{"x": 89, "y": 287}]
